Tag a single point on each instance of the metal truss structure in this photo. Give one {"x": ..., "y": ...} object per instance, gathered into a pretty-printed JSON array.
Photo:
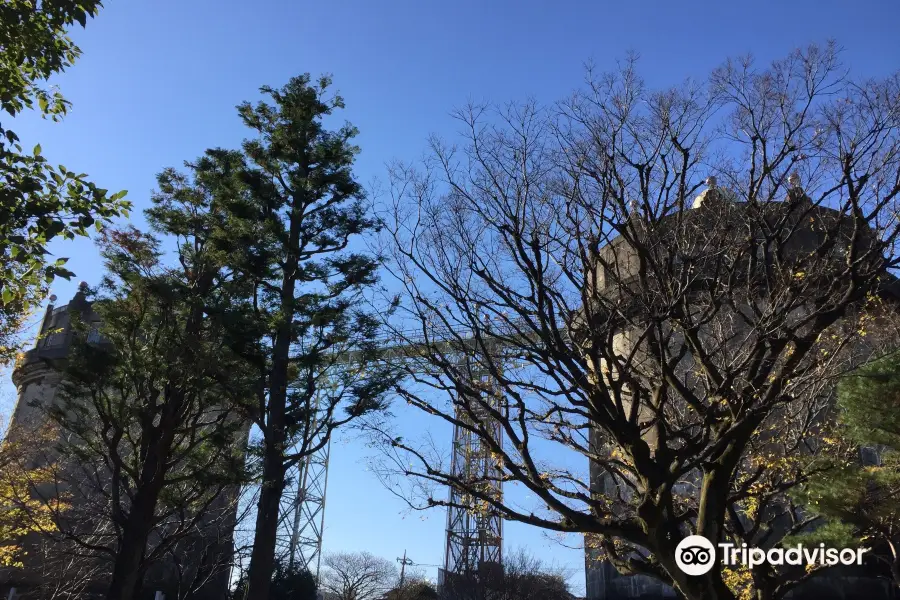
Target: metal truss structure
[
  {"x": 474, "y": 531},
  {"x": 302, "y": 512},
  {"x": 474, "y": 535}
]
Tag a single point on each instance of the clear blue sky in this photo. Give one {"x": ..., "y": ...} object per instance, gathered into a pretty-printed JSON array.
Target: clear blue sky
[{"x": 159, "y": 80}]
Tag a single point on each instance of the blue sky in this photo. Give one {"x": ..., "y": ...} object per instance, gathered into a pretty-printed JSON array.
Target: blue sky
[{"x": 158, "y": 83}]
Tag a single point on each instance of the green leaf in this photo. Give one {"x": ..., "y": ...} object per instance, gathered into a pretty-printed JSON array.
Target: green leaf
[{"x": 33, "y": 51}]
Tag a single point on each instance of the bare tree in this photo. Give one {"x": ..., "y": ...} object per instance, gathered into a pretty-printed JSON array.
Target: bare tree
[
  {"x": 413, "y": 588},
  {"x": 563, "y": 279},
  {"x": 521, "y": 577},
  {"x": 357, "y": 576},
  {"x": 64, "y": 570},
  {"x": 414, "y": 585}
]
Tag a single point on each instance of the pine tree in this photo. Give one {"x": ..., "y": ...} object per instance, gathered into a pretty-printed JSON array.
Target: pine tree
[
  {"x": 294, "y": 208},
  {"x": 858, "y": 489}
]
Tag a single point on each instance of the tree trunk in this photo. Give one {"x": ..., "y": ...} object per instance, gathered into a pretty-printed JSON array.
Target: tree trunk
[
  {"x": 716, "y": 590},
  {"x": 895, "y": 571},
  {"x": 708, "y": 587},
  {"x": 262, "y": 558},
  {"x": 128, "y": 568},
  {"x": 895, "y": 562},
  {"x": 128, "y": 565},
  {"x": 765, "y": 588}
]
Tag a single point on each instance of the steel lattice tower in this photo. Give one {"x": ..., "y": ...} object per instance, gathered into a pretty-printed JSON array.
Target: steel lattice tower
[
  {"x": 474, "y": 531},
  {"x": 304, "y": 515},
  {"x": 474, "y": 536},
  {"x": 302, "y": 512}
]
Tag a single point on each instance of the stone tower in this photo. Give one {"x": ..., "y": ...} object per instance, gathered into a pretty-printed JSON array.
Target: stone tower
[
  {"x": 603, "y": 582},
  {"x": 37, "y": 377}
]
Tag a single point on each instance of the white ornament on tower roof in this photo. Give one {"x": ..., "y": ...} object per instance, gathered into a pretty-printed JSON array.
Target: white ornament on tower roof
[{"x": 711, "y": 191}]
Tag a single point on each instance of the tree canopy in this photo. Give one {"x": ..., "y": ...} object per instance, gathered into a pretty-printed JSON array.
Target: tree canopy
[
  {"x": 39, "y": 202},
  {"x": 858, "y": 491},
  {"x": 152, "y": 408},
  {"x": 665, "y": 283},
  {"x": 293, "y": 210},
  {"x": 357, "y": 576}
]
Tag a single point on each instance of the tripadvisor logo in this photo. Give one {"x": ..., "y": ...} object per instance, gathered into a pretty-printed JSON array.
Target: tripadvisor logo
[{"x": 695, "y": 555}]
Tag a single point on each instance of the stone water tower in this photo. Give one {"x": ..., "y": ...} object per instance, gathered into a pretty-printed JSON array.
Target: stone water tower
[
  {"x": 36, "y": 374},
  {"x": 687, "y": 232},
  {"x": 37, "y": 377}
]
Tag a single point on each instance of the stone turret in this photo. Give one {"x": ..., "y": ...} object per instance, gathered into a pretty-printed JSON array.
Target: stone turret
[
  {"x": 683, "y": 236},
  {"x": 38, "y": 378},
  {"x": 36, "y": 375}
]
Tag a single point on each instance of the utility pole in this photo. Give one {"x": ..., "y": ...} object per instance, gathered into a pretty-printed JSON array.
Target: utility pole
[{"x": 403, "y": 562}]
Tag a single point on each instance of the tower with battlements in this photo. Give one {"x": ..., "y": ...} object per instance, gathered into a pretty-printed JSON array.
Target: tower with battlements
[
  {"x": 38, "y": 377},
  {"x": 620, "y": 278}
]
